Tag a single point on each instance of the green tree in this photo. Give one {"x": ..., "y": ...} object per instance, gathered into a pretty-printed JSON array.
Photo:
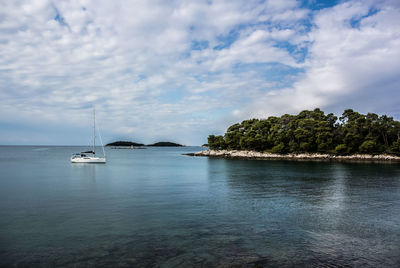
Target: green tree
[
  {"x": 232, "y": 136},
  {"x": 216, "y": 142},
  {"x": 395, "y": 147},
  {"x": 279, "y": 148},
  {"x": 341, "y": 149},
  {"x": 368, "y": 147}
]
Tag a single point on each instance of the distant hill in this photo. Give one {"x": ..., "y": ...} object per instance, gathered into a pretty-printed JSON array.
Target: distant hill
[
  {"x": 165, "y": 144},
  {"x": 124, "y": 143}
]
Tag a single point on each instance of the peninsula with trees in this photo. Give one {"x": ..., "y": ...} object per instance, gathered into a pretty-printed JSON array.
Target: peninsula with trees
[{"x": 311, "y": 135}]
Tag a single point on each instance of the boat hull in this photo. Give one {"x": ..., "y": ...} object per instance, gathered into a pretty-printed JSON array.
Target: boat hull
[{"x": 90, "y": 160}]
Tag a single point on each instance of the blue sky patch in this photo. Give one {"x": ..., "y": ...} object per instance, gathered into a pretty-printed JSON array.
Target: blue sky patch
[
  {"x": 59, "y": 18},
  {"x": 199, "y": 45},
  {"x": 283, "y": 74},
  {"x": 319, "y": 4},
  {"x": 225, "y": 41},
  {"x": 355, "y": 21}
]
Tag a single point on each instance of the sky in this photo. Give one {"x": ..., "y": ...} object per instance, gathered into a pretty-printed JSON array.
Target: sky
[{"x": 181, "y": 70}]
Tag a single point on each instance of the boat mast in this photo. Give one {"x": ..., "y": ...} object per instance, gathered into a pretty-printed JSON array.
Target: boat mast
[{"x": 94, "y": 129}]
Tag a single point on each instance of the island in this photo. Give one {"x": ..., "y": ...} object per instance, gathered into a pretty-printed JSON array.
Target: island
[
  {"x": 124, "y": 144},
  {"x": 165, "y": 144},
  {"x": 311, "y": 135},
  {"x": 134, "y": 145}
]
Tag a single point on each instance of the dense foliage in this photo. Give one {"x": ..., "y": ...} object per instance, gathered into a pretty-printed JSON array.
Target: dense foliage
[{"x": 314, "y": 132}]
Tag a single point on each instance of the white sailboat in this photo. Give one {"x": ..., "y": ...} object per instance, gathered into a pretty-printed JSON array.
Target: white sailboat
[{"x": 90, "y": 156}]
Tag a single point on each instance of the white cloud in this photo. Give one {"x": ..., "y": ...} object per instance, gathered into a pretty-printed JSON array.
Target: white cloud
[
  {"x": 134, "y": 61},
  {"x": 349, "y": 66}
]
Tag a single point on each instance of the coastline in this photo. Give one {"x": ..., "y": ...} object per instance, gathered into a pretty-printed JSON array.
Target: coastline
[{"x": 297, "y": 157}]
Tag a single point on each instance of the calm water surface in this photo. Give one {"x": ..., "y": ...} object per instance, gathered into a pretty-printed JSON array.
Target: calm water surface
[{"x": 159, "y": 208}]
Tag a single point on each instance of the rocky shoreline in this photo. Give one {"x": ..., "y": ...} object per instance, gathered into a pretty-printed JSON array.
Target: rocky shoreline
[{"x": 298, "y": 157}]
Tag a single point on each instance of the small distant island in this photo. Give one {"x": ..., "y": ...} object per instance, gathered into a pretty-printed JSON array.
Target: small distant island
[
  {"x": 311, "y": 135},
  {"x": 124, "y": 144},
  {"x": 165, "y": 144}
]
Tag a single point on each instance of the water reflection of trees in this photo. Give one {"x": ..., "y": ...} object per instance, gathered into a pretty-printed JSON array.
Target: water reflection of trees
[
  {"x": 310, "y": 182},
  {"x": 266, "y": 179},
  {"x": 305, "y": 193},
  {"x": 331, "y": 209}
]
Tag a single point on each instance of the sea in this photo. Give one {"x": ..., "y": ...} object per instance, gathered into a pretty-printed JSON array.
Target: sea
[{"x": 157, "y": 207}]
